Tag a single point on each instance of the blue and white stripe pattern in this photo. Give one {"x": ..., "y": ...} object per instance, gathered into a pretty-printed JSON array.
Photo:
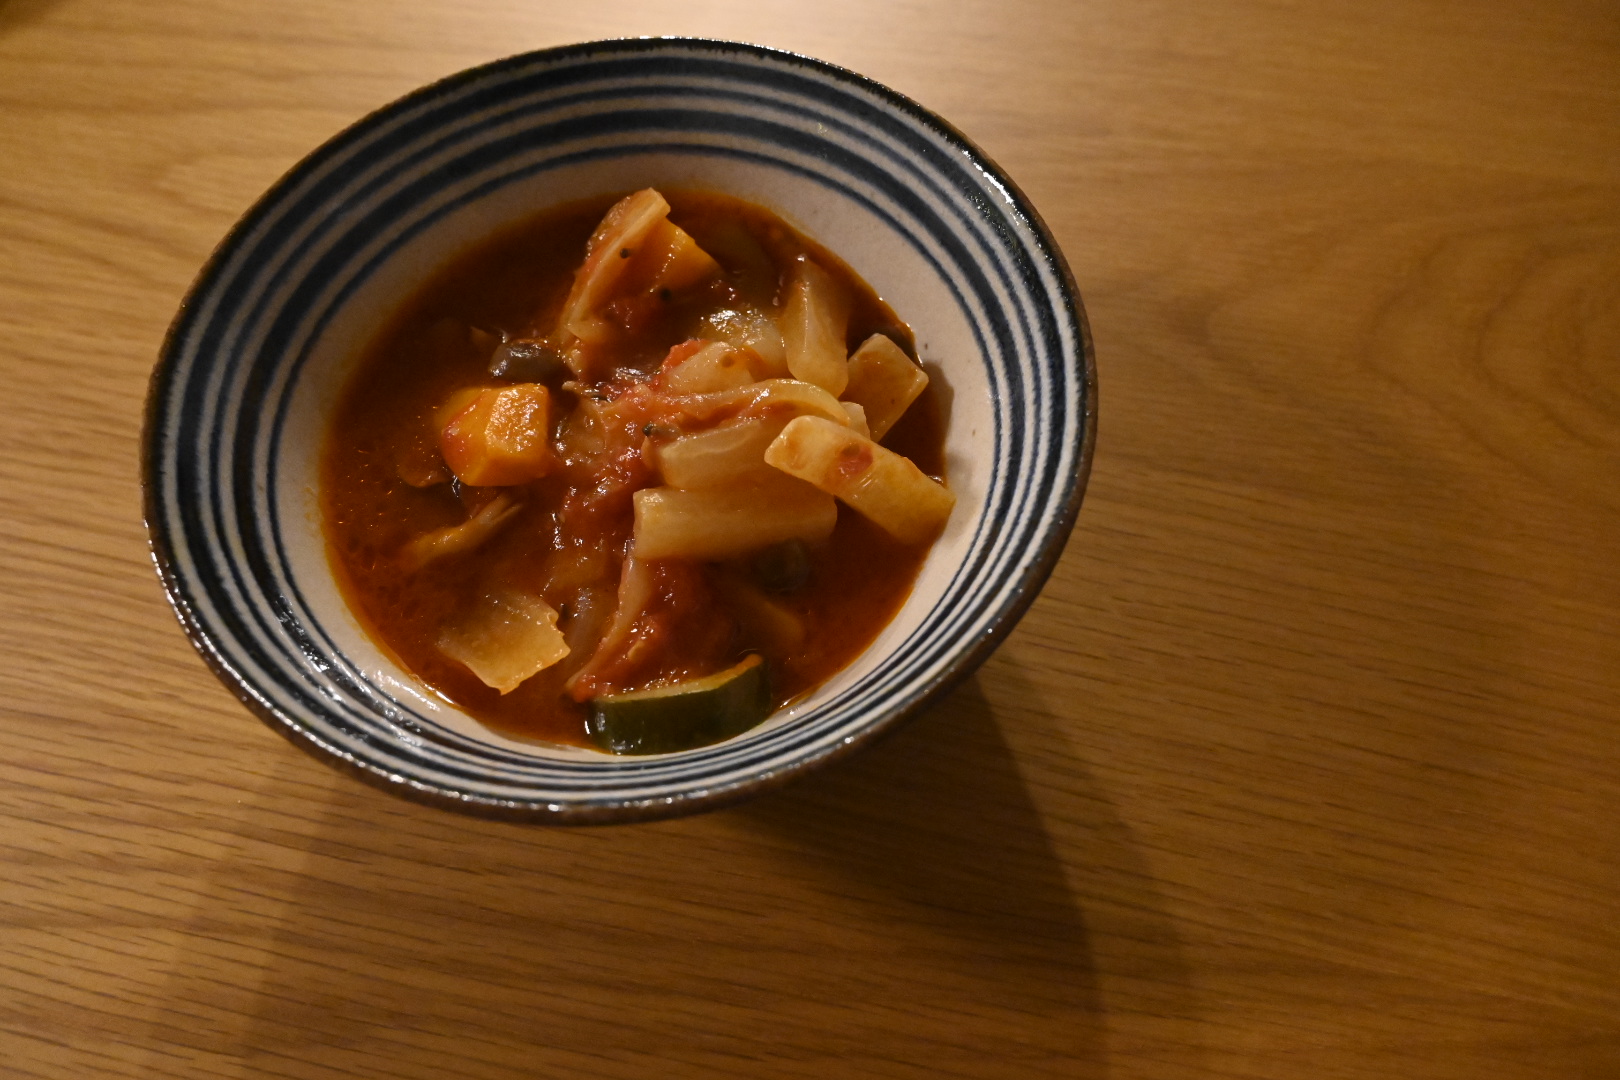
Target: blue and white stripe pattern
[{"x": 230, "y": 424}]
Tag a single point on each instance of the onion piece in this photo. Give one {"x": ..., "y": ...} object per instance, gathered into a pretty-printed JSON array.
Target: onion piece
[
  {"x": 885, "y": 381},
  {"x": 879, "y": 483},
  {"x": 729, "y": 455},
  {"x": 814, "y": 320},
  {"x": 636, "y": 583},
  {"x": 626, "y": 225},
  {"x": 505, "y": 640},
  {"x": 721, "y": 523}
]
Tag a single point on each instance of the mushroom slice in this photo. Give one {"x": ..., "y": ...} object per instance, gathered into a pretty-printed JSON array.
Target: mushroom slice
[{"x": 455, "y": 539}]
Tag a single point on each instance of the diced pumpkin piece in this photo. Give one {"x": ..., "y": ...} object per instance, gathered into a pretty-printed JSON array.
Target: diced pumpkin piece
[
  {"x": 711, "y": 366},
  {"x": 506, "y": 639},
  {"x": 721, "y": 523},
  {"x": 456, "y": 539},
  {"x": 456, "y": 404},
  {"x": 499, "y": 436},
  {"x": 815, "y": 318},
  {"x": 877, "y": 482},
  {"x": 884, "y": 381},
  {"x": 732, "y": 454}
]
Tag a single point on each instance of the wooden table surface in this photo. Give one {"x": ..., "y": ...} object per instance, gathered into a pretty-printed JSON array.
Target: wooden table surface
[{"x": 1305, "y": 764}]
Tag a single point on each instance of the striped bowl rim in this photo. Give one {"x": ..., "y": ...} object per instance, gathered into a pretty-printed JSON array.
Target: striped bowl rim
[{"x": 219, "y": 395}]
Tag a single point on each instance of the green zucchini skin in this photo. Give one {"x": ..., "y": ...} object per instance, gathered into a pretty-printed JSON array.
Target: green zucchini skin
[{"x": 684, "y": 716}]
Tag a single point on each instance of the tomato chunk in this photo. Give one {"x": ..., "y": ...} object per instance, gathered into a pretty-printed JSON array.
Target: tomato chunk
[{"x": 496, "y": 437}]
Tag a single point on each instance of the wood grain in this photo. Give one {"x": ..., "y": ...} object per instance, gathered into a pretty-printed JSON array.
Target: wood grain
[{"x": 1304, "y": 765}]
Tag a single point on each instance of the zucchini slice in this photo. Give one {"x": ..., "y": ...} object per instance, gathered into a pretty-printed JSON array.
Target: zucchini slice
[{"x": 683, "y": 716}]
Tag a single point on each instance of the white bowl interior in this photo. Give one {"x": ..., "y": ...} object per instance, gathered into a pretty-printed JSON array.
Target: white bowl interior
[{"x": 899, "y": 272}]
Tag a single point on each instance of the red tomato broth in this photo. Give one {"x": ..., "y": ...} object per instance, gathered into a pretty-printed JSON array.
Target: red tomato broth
[{"x": 386, "y": 429}]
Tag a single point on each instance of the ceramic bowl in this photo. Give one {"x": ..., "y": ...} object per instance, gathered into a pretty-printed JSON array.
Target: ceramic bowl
[{"x": 254, "y": 362}]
